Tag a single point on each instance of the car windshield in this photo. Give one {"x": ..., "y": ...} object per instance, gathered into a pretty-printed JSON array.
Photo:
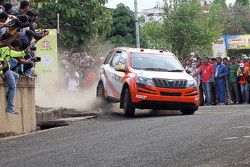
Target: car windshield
[{"x": 156, "y": 62}]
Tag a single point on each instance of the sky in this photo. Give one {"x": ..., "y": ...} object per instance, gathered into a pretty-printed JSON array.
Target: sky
[{"x": 142, "y": 4}]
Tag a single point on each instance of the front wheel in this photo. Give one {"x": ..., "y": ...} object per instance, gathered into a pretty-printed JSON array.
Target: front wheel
[
  {"x": 128, "y": 107},
  {"x": 189, "y": 111}
]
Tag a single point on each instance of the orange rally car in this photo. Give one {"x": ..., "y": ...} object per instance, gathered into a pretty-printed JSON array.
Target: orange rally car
[{"x": 147, "y": 79}]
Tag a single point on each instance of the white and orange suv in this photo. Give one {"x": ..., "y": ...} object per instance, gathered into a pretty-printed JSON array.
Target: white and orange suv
[{"x": 147, "y": 79}]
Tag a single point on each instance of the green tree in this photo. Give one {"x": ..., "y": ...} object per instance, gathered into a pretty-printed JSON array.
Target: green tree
[
  {"x": 80, "y": 20},
  {"x": 153, "y": 34},
  {"x": 241, "y": 14},
  {"x": 221, "y": 2},
  {"x": 243, "y": 2},
  {"x": 123, "y": 27},
  {"x": 187, "y": 28}
]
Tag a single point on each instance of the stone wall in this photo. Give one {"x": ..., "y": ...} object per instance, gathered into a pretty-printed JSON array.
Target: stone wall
[{"x": 24, "y": 104}]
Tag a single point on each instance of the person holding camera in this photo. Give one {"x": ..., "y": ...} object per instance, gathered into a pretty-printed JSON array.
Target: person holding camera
[
  {"x": 23, "y": 9},
  {"x": 20, "y": 64},
  {"x": 10, "y": 76}
]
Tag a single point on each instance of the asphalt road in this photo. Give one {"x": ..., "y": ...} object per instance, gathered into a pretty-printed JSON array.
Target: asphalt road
[{"x": 214, "y": 136}]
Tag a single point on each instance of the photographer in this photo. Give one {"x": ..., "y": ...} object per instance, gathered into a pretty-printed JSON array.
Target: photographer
[
  {"x": 8, "y": 8},
  {"x": 26, "y": 25},
  {"x": 3, "y": 19},
  {"x": 33, "y": 16},
  {"x": 20, "y": 64},
  {"x": 23, "y": 9},
  {"x": 2, "y": 2},
  {"x": 10, "y": 76},
  {"x": 11, "y": 30}
]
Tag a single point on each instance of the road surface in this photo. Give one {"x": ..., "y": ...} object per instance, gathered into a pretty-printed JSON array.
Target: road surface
[{"x": 214, "y": 136}]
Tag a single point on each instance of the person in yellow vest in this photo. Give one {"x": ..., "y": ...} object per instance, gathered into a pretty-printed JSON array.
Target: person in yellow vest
[{"x": 11, "y": 78}]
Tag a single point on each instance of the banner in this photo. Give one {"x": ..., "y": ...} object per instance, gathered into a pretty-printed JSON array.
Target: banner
[
  {"x": 47, "y": 69},
  {"x": 237, "y": 41},
  {"x": 219, "y": 48}
]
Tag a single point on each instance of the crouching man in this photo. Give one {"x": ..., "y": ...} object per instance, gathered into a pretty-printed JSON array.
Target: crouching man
[{"x": 11, "y": 77}]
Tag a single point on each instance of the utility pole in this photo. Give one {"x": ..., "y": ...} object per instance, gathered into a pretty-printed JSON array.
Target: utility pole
[
  {"x": 137, "y": 29},
  {"x": 58, "y": 23}
]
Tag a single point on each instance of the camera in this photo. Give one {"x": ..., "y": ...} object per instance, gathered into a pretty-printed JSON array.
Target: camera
[
  {"x": 33, "y": 48},
  {"x": 38, "y": 58},
  {"x": 15, "y": 23}
]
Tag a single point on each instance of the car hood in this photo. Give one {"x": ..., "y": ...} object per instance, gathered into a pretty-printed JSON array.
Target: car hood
[{"x": 165, "y": 75}]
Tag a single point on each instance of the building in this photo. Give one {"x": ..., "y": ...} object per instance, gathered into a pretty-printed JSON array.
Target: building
[{"x": 152, "y": 15}]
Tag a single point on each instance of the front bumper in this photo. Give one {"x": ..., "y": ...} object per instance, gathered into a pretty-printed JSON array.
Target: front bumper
[
  {"x": 151, "y": 96},
  {"x": 162, "y": 105}
]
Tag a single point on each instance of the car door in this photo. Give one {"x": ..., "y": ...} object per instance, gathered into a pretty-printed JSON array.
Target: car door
[
  {"x": 110, "y": 76},
  {"x": 121, "y": 76}
]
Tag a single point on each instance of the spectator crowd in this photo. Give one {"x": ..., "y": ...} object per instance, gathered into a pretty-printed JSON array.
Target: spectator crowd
[
  {"x": 79, "y": 70},
  {"x": 221, "y": 80},
  {"x": 18, "y": 36}
]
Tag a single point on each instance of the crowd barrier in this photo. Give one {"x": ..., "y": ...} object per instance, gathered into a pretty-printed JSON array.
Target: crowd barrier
[{"x": 24, "y": 103}]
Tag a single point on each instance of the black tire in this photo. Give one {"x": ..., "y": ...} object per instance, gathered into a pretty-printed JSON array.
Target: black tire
[
  {"x": 100, "y": 92},
  {"x": 103, "y": 103},
  {"x": 128, "y": 108},
  {"x": 189, "y": 111}
]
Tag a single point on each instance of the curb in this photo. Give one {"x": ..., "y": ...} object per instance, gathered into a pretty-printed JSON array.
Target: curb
[{"x": 61, "y": 123}]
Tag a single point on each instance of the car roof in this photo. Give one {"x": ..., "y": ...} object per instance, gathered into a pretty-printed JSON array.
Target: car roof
[{"x": 141, "y": 50}]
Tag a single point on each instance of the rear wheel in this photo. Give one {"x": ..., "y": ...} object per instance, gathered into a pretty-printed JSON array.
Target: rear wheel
[
  {"x": 100, "y": 91},
  {"x": 128, "y": 108},
  {"x": 102, "y": 101}
]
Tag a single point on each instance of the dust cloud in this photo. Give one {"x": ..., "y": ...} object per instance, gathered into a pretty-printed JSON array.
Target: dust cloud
[
  {"x": 84, "y": 100},
  {"x": 74, "y": 61}
]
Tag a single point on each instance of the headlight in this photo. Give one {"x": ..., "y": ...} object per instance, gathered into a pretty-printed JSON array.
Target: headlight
[
  {"x": 145, "y": 81},
  {"x": 191, "y": 83}
]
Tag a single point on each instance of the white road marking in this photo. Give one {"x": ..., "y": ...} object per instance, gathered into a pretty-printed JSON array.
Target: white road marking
[
  {"x": 231, "y": 138},
  {"x": 246, "y": 136},
  {"x": 241, "y": 127}
]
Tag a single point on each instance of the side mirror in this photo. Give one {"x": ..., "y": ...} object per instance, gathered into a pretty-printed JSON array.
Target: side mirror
[{"x": 121, "y": 68}]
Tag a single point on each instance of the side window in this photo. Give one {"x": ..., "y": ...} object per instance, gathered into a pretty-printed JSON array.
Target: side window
[
  {"x": 124, "y": 59},
  {"x": 115, "y": 59},
  {"x": 109, "y": 56}
]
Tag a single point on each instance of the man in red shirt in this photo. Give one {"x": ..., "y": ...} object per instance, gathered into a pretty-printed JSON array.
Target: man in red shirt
[{"x": 207, "y": 74}]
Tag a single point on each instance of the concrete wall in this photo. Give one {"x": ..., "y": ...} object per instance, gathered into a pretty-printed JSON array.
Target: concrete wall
[{"x": 24, "y": 104}]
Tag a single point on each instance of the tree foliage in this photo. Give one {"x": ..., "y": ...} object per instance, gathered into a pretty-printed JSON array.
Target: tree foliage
[
  {"x": 153, "y": 34},
  {"x": 123, "y": 27},
  {"x": 241, "y": 15},
  {"x": 187, "y": 28},
  {"x": 242, "y": 2},
  {"x": 80, "y": 20},
  {"x": 221, "y": 2},
  {"x": 235, "y": 19}
]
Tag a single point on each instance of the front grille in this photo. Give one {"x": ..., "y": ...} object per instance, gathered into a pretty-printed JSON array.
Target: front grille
[
  {"x": 170, "y": 94},
  {"x": 168, "y": 83}
]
